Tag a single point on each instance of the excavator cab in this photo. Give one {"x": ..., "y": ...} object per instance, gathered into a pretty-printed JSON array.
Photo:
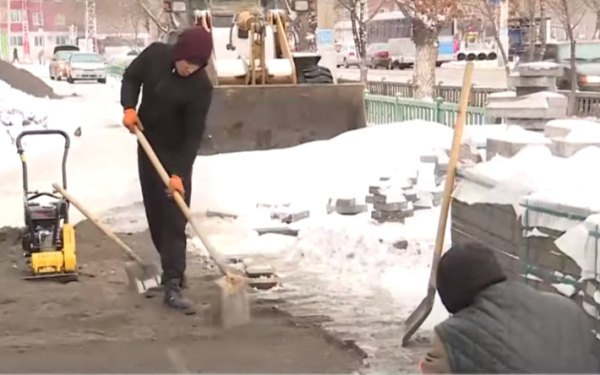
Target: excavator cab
[{"x": 266, "y": 96}]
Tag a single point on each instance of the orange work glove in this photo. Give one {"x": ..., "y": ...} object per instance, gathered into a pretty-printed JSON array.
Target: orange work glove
[
  {"x": 175, "y": 184},
  {"x": 131, "y": 120}
]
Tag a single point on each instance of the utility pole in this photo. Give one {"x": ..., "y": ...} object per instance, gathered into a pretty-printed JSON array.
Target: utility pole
[
  {"x": 25, "y": 25},
  {"x": 503, "y": 29},
  {"x": 91, "y": 40},
  {"x": 326, "y": 35}
]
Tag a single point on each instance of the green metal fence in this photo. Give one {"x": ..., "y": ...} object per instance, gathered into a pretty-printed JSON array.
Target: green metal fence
[
  {"x": 385, "y": 109},
  {"x": 115, "y": 70},
  {"x": 586, "y": 103}
]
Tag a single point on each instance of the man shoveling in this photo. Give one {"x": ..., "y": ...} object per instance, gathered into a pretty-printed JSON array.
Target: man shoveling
[{"x": 176, "y": 97}]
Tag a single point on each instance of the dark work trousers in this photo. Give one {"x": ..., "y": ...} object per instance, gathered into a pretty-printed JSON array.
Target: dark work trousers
[{"x": 165, "y": 219}]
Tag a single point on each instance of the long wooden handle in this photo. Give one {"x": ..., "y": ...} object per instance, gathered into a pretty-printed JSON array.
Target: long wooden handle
[
  {"x": 214, "y": 254},
  {"x": 94, "y": 219},
  {"x": 465, "y": 92}
]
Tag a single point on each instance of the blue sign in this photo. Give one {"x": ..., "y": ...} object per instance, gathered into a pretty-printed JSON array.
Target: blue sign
[{"x": 325, "y": 37}]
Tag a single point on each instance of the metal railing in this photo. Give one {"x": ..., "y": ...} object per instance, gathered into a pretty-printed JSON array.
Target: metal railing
[
  {"x": 383, "y": 109},
  {"x": 587, "y": 103},
  {"x": 115, "y": 70}
]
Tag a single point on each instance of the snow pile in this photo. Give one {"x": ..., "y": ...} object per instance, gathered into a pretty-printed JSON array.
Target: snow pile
[
  {"x": 360, "y": 259},
  {"x": 308, "y": 175},
  {"x": 536, "y": 173}
]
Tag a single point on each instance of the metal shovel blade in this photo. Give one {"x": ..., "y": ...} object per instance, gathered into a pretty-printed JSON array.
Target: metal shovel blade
[
  {"x": 142, "y": 277},
  {"x": 417, "y": 317},
  {"x": 232, "y": 307}
]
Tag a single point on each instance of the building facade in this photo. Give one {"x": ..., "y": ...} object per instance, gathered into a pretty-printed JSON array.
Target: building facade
[{"x": 42, "y": 24}]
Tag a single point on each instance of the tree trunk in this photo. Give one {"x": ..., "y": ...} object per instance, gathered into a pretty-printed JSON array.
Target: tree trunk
[
  {"x": 531, "y": 31},
  {"x": 597, "y": 28},
  {"x": 303, "y": 42},
  {"x": 573, "y": 78},
  {"x": 490, "y": 16},
  {"x": 426, "y": 44},
  {"x": 543, "y": 31}
]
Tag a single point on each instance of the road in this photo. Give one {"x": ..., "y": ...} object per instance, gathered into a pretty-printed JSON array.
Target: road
[{"x": 448, "y": 76}]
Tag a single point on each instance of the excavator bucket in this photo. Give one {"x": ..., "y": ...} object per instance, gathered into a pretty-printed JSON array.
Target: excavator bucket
[{"x": 247, "y": 118}]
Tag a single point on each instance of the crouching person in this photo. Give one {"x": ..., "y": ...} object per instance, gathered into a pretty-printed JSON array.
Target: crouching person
[{"x": 499, "y": 326}]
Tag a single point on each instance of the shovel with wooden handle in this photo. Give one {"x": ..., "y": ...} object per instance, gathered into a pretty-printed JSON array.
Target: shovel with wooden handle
[
  {"x": 418, "y": 316},
  {"x": 142, "y": 275},
  {"x": 234, "y": 309}
]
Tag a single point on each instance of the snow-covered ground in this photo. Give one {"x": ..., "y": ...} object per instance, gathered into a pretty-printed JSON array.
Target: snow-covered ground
[{"x": 348, "y": 256}]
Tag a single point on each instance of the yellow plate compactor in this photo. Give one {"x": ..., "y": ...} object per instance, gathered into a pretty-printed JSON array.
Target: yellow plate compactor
[{"x": 48, "y": 238}]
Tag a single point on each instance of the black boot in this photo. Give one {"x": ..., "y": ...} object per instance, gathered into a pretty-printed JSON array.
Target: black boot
[
  {"x": 174, "y": 297},
  {"x": 156, "y": 290}
]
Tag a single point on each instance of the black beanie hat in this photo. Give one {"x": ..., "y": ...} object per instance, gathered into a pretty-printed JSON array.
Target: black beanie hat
[
  {"x": 463, "y": 272},
  {"x": 194, "y": 45}
]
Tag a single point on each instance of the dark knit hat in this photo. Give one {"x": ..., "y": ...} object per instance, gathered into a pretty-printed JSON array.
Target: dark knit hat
[
  {"x": 194, "y": 45},
  {"x": 463, "y": 272}
]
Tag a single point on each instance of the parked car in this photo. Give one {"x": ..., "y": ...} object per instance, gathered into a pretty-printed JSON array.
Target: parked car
[
  {"x": 587, "y": 59},
  {"x": 85, "y": 66},
  {"x": 346, "y": 55},
  {"x": 58, "y": 65},
  {"x": 402, "y": 52},
  {"x": 378, "y": 54},
  {"x": 65, "y": 47}
]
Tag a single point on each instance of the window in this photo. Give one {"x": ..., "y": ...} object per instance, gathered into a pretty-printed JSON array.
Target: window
[
  {"x": 38, "y": 41},
  {"x": 61, "y": 39},
  {"x": 85, "y": 57},
  {"x": 38, "y": 19},
  {"x": 63, "y": 55},
  {"x": 15, "y": 15},
  {"x": 16, "y": 40},
  {"x": 59, "y": 20}
]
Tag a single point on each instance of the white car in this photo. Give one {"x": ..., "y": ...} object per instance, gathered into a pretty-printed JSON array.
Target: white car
[
  {"x": 346, "y": 55},
  {"x": 86, "y": 66}
]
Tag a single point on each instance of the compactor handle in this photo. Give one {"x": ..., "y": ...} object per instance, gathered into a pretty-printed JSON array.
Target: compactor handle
[
  {"x": 21, "y": 152},
  {"x": 42, "y": 132}
]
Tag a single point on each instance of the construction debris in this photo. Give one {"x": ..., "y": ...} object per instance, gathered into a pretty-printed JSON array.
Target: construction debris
[{"x": 285, "y": 231}]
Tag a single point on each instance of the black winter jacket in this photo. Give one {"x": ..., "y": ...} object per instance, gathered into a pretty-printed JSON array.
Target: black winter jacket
[{"x": 173, "y": 109}]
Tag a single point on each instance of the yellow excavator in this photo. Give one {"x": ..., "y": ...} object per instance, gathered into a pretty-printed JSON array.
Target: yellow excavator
[{"x": 266, "y": 96}]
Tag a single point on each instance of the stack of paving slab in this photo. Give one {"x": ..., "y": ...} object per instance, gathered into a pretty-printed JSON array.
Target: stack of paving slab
[
  {"x": 534, "y": 99},
  {"x": 391, "y": 202},
  {"x": 563, "y": 138}
]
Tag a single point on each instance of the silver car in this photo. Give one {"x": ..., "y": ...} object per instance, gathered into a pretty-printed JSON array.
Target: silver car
[
  {"x": 346, "y": 55},
  {"x": 86, "y": 66}
]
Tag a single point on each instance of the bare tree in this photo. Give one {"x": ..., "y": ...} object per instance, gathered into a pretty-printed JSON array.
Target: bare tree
[
  {"x": 594, "y": 6},
  {"x": 359, "y": 18},
  {"x": 569, "y": 13},
  {"x": 153, "y": 9},
  {"x": 488, "y": 13},
  {"x": 125, "y": 19},
  {"x": 428, "y": 18},
  {"x": 303, "y": 26}
]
